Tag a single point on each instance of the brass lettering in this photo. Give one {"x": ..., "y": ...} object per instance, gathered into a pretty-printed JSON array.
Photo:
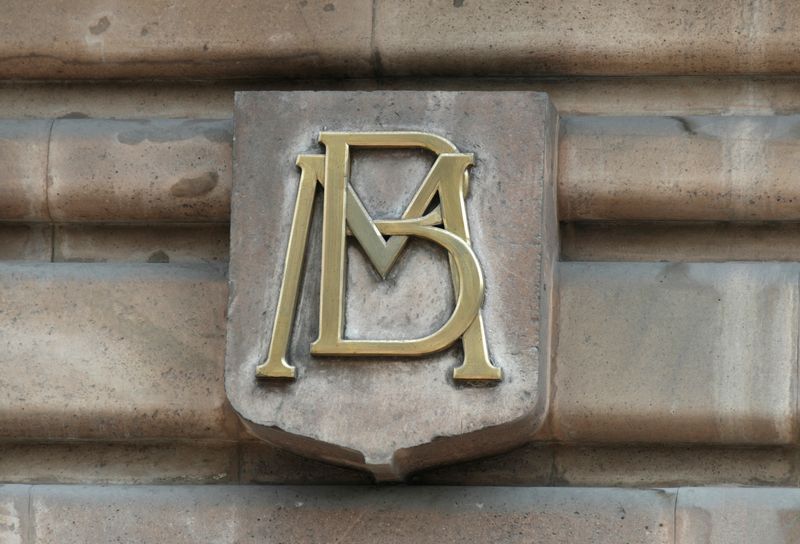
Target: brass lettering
[{"x": 343, "y": 215}]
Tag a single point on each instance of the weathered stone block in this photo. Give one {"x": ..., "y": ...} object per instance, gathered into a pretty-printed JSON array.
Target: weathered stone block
[
  {"x": 737, "y": 516},
  {"x": 585, "y": 38},
  {"x": 95, "y": 39},
  {"x": 395, "y": 415},
  {"x": 111, "y": 352},
  {"x": 23, "y": 154},
  {"x": 356, "y": 514},
  {"x": 676, "y": 353},
  {"x": 720, "y": 168},
  {"x": 149, "y": 170},
  {"x": 15, "y": 522}
]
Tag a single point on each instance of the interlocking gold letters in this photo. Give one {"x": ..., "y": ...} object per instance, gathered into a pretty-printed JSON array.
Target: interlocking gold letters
[{"x": 344, "y": 214}]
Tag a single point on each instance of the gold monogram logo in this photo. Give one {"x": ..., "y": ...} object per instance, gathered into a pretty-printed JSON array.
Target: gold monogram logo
[{"x": 344, "y": 214}]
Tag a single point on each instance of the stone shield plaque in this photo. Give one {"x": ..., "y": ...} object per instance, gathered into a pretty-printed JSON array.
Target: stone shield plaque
[{"x": 391, "y": 274}]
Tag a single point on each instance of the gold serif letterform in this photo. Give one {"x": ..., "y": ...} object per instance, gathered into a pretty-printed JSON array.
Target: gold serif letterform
[{"x": 344, "y": 215}]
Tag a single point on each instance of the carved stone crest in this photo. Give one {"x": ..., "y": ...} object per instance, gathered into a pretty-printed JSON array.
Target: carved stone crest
[{"x": 391, "y": 273}]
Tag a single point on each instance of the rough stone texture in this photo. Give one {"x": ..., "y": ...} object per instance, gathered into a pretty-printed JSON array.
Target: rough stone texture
[
  {"x": 737, "y": 516},
  {"x": 264, "y": 463},
  {"x": 679, "y": 168},
  {"x": 160, "y": 38},
  {"x": 23, "y": 154},
  {"x": 680, "y": 242},
  {"x": 665, "y": 467},
  {"x": 652, "y": 352},
  {"x": 582, "y": 37},
  {"x": 147, "y": 170},
  {"x": 357, "y": 413},
  {"x": 691, "y": 168},
  {"x": 26, "y": 242},
  {"x": 316, "y": 38},
  {"x": 133, "y": 243},
  {"x": 223, "y": 514},
  {"x": 118, "y": 463},
  {"x": 15, "y": 522},
  {"x": 112, "y": 351}
]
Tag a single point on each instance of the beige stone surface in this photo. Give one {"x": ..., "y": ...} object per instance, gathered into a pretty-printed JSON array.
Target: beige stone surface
[
  {"x": 26, "y": 242},
  {"x": 112, "y": 352},
  {"x": 134, "y": 243},
  {"x": 631, "y": 466},
  {"x": 633, "y": 168},
  {"x": 15, "y": 520},
  {"x": 118, "y": 462},
  {"x": 221, "y": 514},
  {"x": 228, "y": 514},
  {"x": 679, "y": 168},
  {"x": 146, "y": 170},
  {"x": 320, "y": 38},
  {"x": 676, "y": 353},
  {"x": 23, "y": 154},
  {"x": 737, "y": 516},
  {"x": 586, "y": 38},
  {"x": 680, "y": 242},
  {"x": 359, "y": 412},
  {"x": 93, "y": 39}
]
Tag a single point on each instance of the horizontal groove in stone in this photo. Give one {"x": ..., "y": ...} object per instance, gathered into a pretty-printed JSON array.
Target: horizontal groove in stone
[
  {"x": 163, "y": 243},
  {"x": 97, "y": 462},
  {"x": 144, "y": 99},
  {"x": 701, "y": 168},
  {"x": 26, "y": 242},
  {"x": 215, "y": 462},
  {"x": 680, "y": 241}
]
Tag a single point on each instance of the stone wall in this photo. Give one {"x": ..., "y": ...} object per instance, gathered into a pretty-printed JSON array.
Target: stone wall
[{"x": 673, "y": 399}]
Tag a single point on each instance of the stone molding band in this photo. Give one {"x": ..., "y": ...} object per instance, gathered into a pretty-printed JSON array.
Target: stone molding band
[
  {"x": 384, "y": 38},
  {"x": 703, "y": 168},
  {"x": 710, "y": 343},
  {"x": 224, "y": 513}
]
